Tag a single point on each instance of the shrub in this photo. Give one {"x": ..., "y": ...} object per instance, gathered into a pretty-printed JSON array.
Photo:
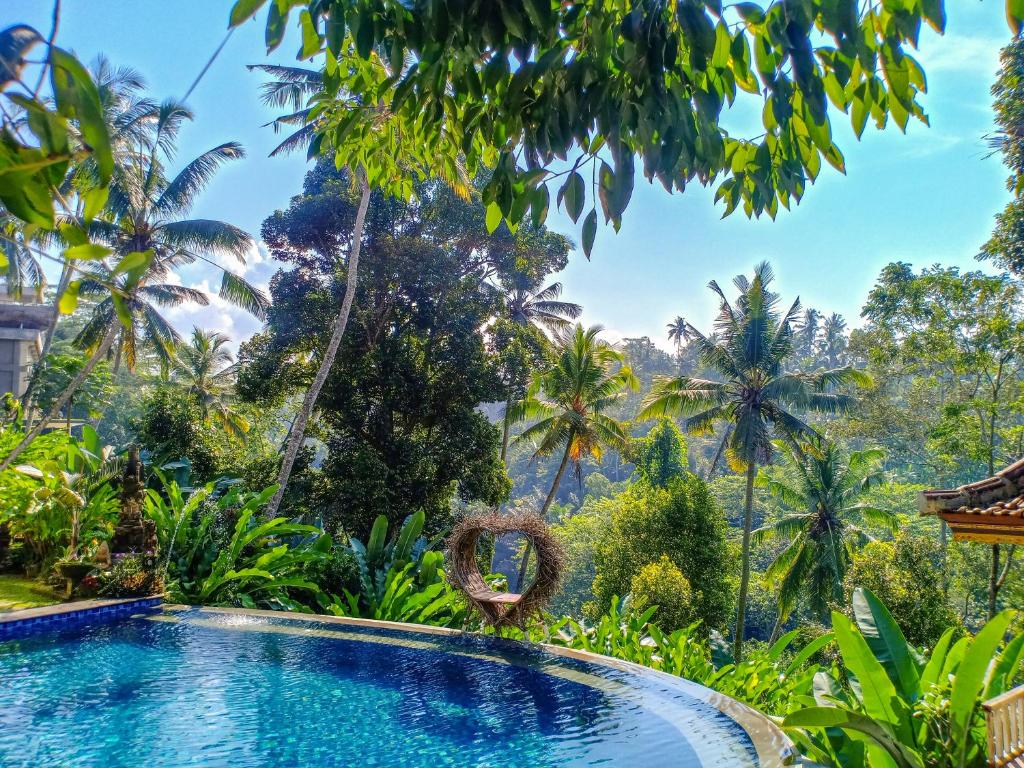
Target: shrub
[
  {"x": 681, "y": 522},
  {"x": 905, "y": 575},
  {"x": 662, "y": 584},
  {"x": 131, "y": 576}
]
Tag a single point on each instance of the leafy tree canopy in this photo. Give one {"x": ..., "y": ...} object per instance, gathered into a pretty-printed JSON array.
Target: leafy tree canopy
[
  {"x": 681, "y": 522},
  {"x": 519, "y": 85},
  {"x": 399, "y": 413}
]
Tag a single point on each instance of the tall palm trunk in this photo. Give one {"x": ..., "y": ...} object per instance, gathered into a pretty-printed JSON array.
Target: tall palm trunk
[
  {"x": 298, "y": 431},
  {"x": 51, "y": 327},
  {"x": 505, "y": 429},
  {"x": 748, "y": 521},
  {"x": 718, "y": 453},
  {"x": 524, "y": 566},
  {"x": 65, "y": 398}
]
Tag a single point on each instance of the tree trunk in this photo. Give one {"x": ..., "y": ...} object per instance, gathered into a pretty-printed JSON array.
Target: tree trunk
[
  {"x": 718, "y": 453},
  {"x": 65, "y": 398},
  {"x": 298, "y": 432},
  {"x": 944, "y": 550},
  {"x": 505, "y": 429},
  {"x": 780, "y": 622},
  {"x": 51, "y": 327},
  {"x": 748, "y": 521},
  {"x": 525, "y": 564},
  {"x": 993, "y": 582}
]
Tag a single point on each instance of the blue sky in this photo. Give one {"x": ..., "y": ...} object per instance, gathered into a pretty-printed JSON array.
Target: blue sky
[{"x": 926, "y": 197}]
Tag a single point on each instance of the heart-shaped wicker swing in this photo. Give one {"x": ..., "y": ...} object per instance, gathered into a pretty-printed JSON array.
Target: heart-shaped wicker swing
[{"x": 504, "y": 609}]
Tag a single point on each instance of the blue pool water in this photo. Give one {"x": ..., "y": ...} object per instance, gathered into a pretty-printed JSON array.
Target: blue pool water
[{"x": 203, "y": 688}]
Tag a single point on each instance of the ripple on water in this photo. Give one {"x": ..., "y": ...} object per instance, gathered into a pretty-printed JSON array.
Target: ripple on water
[{"x": 231, "y": 692}]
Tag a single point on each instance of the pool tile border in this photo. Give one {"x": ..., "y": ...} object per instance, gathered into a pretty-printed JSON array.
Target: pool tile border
[{"x": 31, "y": 621}]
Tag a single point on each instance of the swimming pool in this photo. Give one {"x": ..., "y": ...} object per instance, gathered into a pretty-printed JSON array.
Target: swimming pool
[{"x": 211, "y": 687}]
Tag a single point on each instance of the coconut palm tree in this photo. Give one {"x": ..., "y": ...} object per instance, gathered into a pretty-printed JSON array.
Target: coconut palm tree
[
  {"x": 807, "y": 331},
  {"x": 526, "y": 305},
  {"x": 677, "y": 331},
  {"x": 833, "y": 339},
  {"x": 823, "y": 487},
  {"x": 568, "y": 402},
  {"x": 755, "y": 394},
  {"x": 148, "y": 212},
  {"x": 205, "y": 367}
]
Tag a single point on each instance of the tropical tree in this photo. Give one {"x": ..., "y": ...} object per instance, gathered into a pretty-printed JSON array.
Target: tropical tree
[
  {"x": 128, "y": 115},
  {"x": 205, "y": 367},
  {"x": 568, "y": 404},
  {"x": 823, "y": 488},
  {"x": 149, "y": 212},
  {"x": 833, "y": 339},
  {"x": 316, "y": 100},
  {"x": 677, "y": 331},
  {"x": 526, "y": 305},
  {"x": 756, "y": 396},
  {"x": 665, "y": 73},
  {"x": 807, "y": 331},
  {"x": 539, "y": 311}
]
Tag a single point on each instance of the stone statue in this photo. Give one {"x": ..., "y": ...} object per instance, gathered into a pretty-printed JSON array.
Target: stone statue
[{"x": 133, "y": 534}]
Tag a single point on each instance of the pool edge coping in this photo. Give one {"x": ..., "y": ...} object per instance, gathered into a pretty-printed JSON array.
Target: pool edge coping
[
  {"x": 773, "y": 747},
  {"x": 76, "y": 606}
]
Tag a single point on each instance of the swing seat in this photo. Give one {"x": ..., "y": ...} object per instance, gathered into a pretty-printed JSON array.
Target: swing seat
[{"x": 501, "y": 609}]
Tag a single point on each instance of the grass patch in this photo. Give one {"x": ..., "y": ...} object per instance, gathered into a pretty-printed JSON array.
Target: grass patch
[{"x": 17, "y": 592}]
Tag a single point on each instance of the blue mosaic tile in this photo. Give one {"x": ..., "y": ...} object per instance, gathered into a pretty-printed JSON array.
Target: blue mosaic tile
[{"x": 100, "y": 614}]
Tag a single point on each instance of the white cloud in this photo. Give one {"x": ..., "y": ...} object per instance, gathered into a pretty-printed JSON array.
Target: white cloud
[{"x": 965, "y": 54}]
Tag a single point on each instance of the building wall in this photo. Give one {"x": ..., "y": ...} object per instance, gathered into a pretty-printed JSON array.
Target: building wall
[{"x": 18, "y": 351}]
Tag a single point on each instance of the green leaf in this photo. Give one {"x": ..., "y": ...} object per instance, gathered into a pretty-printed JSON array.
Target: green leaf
[
  {"x": 244, "y": 10},
  {"x": 589, "y": 232},
  {"x": 492, "y": 217},
  {"x": 887, "y": 642},
  {"x": 87, "y": 252},
  {"x": 134, "y": 262},
  {"x": 124, "y": 314},
  {"x": 275, "y": 27},
  {"x": 970, "y": 680},
  {"x": 878, "y": 694},
  {"x": 77, "y": 97},
  {"x": 73, "y": 234},
  {"x": 936, "y": 661},
  {"x": 364, "y": 33},
  {"x": 574, "y": 194},
  {"x": 375, "y": 544},
  {"x": 840, "y": 717},
  {"x": 69, "y": 299},
  {"x": 1015, "y": 15},
  {"x": 95, "y": 199},
  {"x": 310, "y": 37}
]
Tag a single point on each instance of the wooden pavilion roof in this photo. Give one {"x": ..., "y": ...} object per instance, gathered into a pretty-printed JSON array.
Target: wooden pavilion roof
[{"x": 989, "y": 510}]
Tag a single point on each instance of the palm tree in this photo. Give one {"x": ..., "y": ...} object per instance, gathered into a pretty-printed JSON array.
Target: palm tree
[
  {"x": 569, "y": 401},
  {"x": 128, "y": 115},
  {"x": 542, "y": 310},
  {"x": 148, "y": 213},
  {"x": 807, "y": 331},
  {"x": 204, "y": 366},
  {"x": 755, "y": 395},
  {"x": 677, "y": 331},
  {"x": 526, "y": 305},
  {"x": 833, "y": 339},
  {"x": 823, "y": 486}
]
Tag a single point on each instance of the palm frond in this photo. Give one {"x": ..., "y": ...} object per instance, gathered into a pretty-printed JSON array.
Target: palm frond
[
  {"x": 181, "y": 193},
  {"x": 238, "y": 291}
]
